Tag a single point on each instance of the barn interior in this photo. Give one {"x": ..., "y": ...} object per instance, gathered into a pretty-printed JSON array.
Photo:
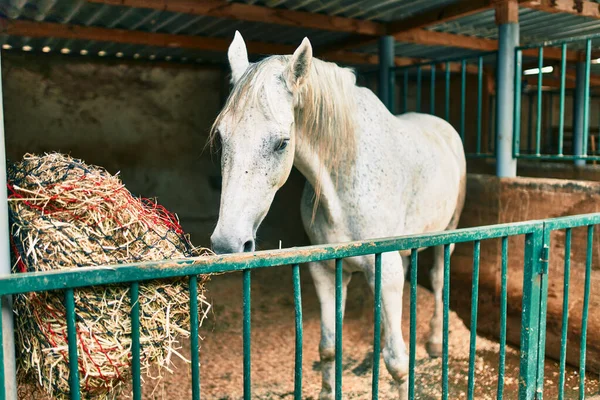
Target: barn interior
[{"x": 135, "y": 85}]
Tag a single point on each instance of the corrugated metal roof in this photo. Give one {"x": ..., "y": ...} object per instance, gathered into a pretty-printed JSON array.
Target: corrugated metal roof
[
  {"x": 79, "y": 12},
  {"x": 535, "y": 26},
  {"x": 379, "y": 10}
]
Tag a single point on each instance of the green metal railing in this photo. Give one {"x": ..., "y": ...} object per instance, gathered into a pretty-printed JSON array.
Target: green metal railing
[
  {"x": 461, "y": 66},
  {"x": 552, "y": 149},
  {"x": 426, "y": 75},
  {"x": 535, "y": 287}
]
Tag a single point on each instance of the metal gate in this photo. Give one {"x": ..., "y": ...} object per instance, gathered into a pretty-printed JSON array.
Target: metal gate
[{"x": 536, "y": 235}]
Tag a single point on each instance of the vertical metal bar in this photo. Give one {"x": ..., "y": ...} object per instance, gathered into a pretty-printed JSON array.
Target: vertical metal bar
[
  {"x": 479, "y": 102},
  {"x": 491, "y": 122},
  {"x": 392, "y": 91},
  {"x": 72, "y": 342},
  {"x": 246, "y": 334},
  {"x": 578, "y": 113},
  {"x": 507, "y": 86},
  {"x": 586, "y": 96},
  {"x": 8, "y": 339},
  {"x": 405, "y": 91},
  {"x": 584, "y": 314},
  {"x": 543, "y": 261},
  {"x": 473, "y": 328},
  {"x": 432, "y": 91},
  {"x": 386, "y": 75},
  {"x": 446, "y": 325},
  {"x": 339, "y": 317},
  {"x": 538, "y": 124},
  {"x": 530, "y": 314},
  {"x": 135, "y": 341},
  {"x": 550, "y": 132},
  {"x": 419, "y": 80},
  {"x": 561, "y": 110},
  {"x": 463, "y": 98},
  {"x": 565, "y": 315},
  {"x": 298, "y": 315},
  {"x": 377, "y": 328},
  {"x": 529, "y": 123},
  {"x": 195, "y": 348},
  {"x": 413, "y": 324},
  {"x": 503, "y": 311},
  {"x": 516, "y": 124},
  {"x": 2, "y": 375},
  {"x": 447, "y": 98}
]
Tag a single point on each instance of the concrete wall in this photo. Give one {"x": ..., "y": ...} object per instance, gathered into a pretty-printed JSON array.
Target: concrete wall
[{"x": 148, "y": 121}]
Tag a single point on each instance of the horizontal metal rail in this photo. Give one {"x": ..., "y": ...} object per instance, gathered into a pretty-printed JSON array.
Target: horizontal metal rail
[
  {"x": 559, "y": 42},
  {"x": 430, "y": 67},
  {"x": 535, "y": 146},
  {"x": 534, "y": 299},
  {"x": 446, "y": 60},
  {"x": 137, "y": 272}
]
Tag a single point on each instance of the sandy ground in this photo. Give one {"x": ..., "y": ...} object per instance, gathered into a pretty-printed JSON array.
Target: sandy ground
[{"x": 273, "y": 348}]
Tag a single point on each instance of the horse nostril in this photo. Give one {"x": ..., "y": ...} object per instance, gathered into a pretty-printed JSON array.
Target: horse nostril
[{"x": 249, "y": 246}]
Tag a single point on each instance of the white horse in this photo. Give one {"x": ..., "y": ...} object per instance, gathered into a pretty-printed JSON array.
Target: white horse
[{"x": 369, "y": 175}]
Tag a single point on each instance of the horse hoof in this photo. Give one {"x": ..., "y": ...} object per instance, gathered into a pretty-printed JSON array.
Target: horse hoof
[{"x": 434, "y": 349}]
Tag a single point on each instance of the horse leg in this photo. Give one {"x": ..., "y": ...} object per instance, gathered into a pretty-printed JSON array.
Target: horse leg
[
  {"x": 324, "y": 280},
  {"x": 406, "y": 265},
  {"x": 392, "y": 285},
  {"x": 434, "y": 343}
]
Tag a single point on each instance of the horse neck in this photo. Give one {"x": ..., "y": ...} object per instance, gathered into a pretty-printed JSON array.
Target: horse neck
[{"x": 309, "y": 163}]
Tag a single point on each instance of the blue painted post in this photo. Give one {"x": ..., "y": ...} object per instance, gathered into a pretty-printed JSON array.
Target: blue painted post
[
  {"x": 8, "y": 343},
  {"x": 508, "y": 30},
  {"x": 578, "y": 114},
  {"x": 387, "y": 77}
]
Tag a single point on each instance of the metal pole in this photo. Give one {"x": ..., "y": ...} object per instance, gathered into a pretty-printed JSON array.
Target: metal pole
[
  {"x": 387, "y": 77},
  {"x": 8, "y": 342},
  {"x": 506, "y": 164},
  {"x": 578, "y": 104}
]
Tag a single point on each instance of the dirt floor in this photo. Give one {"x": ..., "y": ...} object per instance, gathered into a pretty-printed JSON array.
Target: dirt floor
[{"x": 273, "y": 344}]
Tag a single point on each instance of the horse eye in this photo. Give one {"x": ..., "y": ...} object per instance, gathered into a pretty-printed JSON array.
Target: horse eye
[{"x": 282, "y": 145}]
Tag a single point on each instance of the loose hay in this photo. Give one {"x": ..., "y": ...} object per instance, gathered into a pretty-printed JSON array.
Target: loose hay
[{"x": 67, "y": 214}]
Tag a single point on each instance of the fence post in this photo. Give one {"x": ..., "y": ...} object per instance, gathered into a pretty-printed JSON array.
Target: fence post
[
  {"x": 531, "y": 313},
  {"x": 507, "y": 19},
  {"x": 8, "y": 343},
  {"x": 578, "y": 104},
  {"x": 387, "y": 77}
]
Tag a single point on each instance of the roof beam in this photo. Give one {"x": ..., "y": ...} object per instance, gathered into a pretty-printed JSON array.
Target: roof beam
[
  {"x": 76, "y": 32},
  {"x": 433, "y": 38},
  {"x": 254, "y": 13},
  {"x": 423, "y": 37},
  {"x": 583, "y": 8},
  {"x": 419, "y": 21},
  {"x": 439, "y": 15}
]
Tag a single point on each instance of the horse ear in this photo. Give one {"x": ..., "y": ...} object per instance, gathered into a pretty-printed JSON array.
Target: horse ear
[
  {"x": 299, "y": 66},
  {"x": 238, "y": 57}
]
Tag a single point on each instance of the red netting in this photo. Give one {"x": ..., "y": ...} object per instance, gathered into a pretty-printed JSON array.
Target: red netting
[{"x": 67, "y": 214}]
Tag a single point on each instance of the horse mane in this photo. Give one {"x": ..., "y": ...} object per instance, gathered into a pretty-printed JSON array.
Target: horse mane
[{"x": 323, "y": 115}]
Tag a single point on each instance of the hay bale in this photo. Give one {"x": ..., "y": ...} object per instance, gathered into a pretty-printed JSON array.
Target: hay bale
[{"x": 67, "y": 214}]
